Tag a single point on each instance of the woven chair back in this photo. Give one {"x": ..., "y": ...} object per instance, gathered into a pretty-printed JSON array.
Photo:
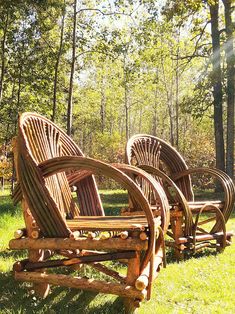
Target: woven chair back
[
  {"x": 50, "y": 200},
  {"x": 143, "y": 149}
]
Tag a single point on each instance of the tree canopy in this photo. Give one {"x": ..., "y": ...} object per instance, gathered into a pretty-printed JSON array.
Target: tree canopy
[{"x": 107, "y": 70}]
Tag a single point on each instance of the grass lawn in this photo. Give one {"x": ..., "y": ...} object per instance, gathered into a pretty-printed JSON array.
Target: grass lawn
[{"x": 203, "y": 284}]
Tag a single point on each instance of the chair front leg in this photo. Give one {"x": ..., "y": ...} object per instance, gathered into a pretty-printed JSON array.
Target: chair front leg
[
  {"x": 41, "y": 289},
  {"x": 133, "y": 272},
  {"x": 176, "y": 226}
]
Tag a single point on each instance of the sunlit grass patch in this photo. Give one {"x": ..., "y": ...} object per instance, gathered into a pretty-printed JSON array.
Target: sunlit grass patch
[
  {"x": 113, "y": 201},
  {"x": 8, "y": 224},
  {"x": 201, "y": 284},
  {"x": 198, "y": 285}
]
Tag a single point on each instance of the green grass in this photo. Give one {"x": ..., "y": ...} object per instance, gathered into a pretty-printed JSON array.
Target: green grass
[{"x": 203, "y": 284}]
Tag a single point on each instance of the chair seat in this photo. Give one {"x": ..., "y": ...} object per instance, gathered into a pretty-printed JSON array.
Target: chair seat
[
  {"x": 110, "y": 223},
  {"x": 195, "y": 206},
  {"x": 175, "y": 210},
  {"x": 48, "y": 163}
]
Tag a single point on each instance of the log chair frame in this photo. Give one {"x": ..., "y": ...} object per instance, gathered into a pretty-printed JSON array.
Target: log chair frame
[
  {"x": 145, "y": 255},
  {"x": 151, "y": 153}
]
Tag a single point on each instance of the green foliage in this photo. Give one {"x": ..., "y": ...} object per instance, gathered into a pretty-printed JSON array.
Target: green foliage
[
  {"x": 138, "y": 65},
  {"x": 5, "y": 168}
]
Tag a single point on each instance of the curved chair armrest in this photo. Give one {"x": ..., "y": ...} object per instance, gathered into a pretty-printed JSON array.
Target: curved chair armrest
[
  {"x": 179, "y": 195},
  {"x": 165, "y": 214},
  {"x": 164, "y": 205},
  {"x": 67, "y": 163},
  {"x": 223, "y": 178},
  {"x": 219, "y": 219}
]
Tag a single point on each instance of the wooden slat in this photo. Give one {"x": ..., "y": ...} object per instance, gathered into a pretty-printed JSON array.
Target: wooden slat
[
  {"x": 110, "y": 223},
  {"x": 82, "y": 283},
  {"x": 198, "y": 205},
  {"x": 81, "y": 243},
  {"x": 79, "y": 260}
]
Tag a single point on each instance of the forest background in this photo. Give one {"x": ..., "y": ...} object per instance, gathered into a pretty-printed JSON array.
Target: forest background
[{"x": 105, "y": 70}]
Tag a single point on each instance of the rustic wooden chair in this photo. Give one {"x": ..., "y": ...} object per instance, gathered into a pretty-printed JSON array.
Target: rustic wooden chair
[
  {"x": 48, "y": 163},
  {"x": 188, "y": 222}
]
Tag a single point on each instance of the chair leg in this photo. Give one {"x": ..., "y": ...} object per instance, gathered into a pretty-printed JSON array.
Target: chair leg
[
  {"x": 219, "y": 247},
  {"x": 176, "y": 225},
  {"x": 41, "y": 289},
  {"x": 133, "y": 272},
  {"x": 179, "y": 255}
]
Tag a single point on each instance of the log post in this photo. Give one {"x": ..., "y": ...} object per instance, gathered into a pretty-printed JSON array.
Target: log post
[
  {"x": 105, "y": 235},
  {"x": 220, "y": 245},
  {"x": 75, "y": 235},
  {"x": 133, "y": 272},
  {"x": 124, "y": 235},
  {"x": 99, "y": 286},
  {"x": 91, "y": 235},
  {"x": 143, "y": 280},
  {"x": 130, "y": 244},
  {"x": 19, "y": 233},
  {"x": 41, "y": 289},
  {"x": 143, "y": 236},
  {"x": 176, "y": 226}
]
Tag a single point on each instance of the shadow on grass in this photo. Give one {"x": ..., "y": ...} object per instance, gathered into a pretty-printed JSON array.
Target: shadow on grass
[
  {"x": 115, "y": 307},
  {"x": 16, "y": 254},
  {"x": 11, "y": 295},
  {"x": 16, "y": 297},
  {"x": 7, "y": 205},
  {"x": 170, "y": 256}
]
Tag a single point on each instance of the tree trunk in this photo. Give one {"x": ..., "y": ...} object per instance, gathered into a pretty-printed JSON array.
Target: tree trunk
[
  {"x": 70, "y": 100},
  {"x": 57, "y": 64},
  {"x": 140, "y": 119},
  {"x": 217, "y": 88},
  {"x": 3, "y": 55},
  {"x": 230, "y": 60},
  {"x": 126, "y": 99},
  {"x": 13, "y": 177},
  {"x": 169, "y": 101},
  {"x": 19, "y": 86},
  {"x": 171, "y": 123},
  {"x": 154, "y": 127},
  {"x": 126, "y": 112},
  {"x": 102, "y": 106},
  {"x": 2, "y": 183},
  {"x": 177, "y": 94}
]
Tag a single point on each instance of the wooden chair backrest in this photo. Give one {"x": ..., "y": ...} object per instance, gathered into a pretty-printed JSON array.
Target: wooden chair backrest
[
  {"x": 143, "y": 149},
  {"x": 39, "y": 140}
]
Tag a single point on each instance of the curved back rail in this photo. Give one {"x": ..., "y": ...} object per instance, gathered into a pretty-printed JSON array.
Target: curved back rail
[
  {"x": 228, "y": 188},
  {"x": 48, "y": 163},
  {"x": 146, "y": 150},
  {"x": 143, "y": 149},
  {"x": 38, "y": 140}
]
